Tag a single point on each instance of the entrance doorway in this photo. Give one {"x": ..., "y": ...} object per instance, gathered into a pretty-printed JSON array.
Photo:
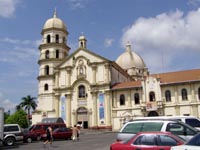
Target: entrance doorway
[
  {"x": 152, "y": 113},
  {"x": 82, "y": 117}
]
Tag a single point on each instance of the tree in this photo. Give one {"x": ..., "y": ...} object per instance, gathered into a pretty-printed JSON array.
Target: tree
[
  {"x": 18, "y": 107},
  {"x": 19, "y": 117},
  {"x": 28, "y": 103}
]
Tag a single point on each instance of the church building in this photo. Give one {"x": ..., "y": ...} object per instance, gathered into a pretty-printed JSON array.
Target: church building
[{"x": 83, "y": 87}]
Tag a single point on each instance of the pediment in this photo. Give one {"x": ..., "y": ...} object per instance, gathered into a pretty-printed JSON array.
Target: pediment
[{"x": 83, "y": 54}]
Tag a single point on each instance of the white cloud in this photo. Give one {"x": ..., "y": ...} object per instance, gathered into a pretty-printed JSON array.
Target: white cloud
[
  {"x": 108, "y": 42},
  {"x": 194, "y": 2},
  {"x": 159, "y": 39},
  {"x": 8, "y": 7},
  {"x": 8, "y": 105},
  {"x": 77, "y": 4},
  {"x": 18, "y": 50}
]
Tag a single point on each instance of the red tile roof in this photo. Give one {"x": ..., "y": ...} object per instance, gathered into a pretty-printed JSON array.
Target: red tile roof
[{"x": 165, "y": 78}]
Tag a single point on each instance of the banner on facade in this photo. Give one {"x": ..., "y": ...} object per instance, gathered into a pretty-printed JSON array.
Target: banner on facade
[
  {"x": 150, "y": 106},
  {"x": 63, "y": 107},
  {"x": 101, "y": 108}
]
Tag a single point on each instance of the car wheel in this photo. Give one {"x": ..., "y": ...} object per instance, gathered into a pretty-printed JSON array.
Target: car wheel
[
  {"x": 9, "y": 141},
  {"x": 29, "y": 140},
  {"x": 38, "y": 138}
]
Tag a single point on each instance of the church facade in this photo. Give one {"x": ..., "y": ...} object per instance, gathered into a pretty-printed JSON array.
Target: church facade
[{"x": 83, "y": 87}]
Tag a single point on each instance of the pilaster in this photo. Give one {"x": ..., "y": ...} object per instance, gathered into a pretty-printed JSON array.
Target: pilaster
[
  {"x": 95, "y": 117},
  {"x": 68, "y": 111}
]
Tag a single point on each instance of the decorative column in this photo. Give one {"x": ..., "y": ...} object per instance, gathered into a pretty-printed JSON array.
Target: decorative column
[
  {"x": 68, "y": 80},
  {"x": 90, "y": 117},
  {"x": 56, "y": 79},
  {"x": 94, "y": 68},
  {"x": 73, "y": 118},
  {"x": 57, "y": 98},
  {"x": 114, "y": 100},
  {"x": 176, "y": 95},
  {"x": 108, "y": 108},
  {"x": 193, "y": 93},
  {"x": 106, "y": 72},
  {"x": 68, "y": 111},
  {"x": 177, "y": 107},
  {"x": 129, "y": 98},
  {"x": 95, "y": 117}
]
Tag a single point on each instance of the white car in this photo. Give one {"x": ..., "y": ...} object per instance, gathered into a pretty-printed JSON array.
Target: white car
[{"x": 192, "y": 144}]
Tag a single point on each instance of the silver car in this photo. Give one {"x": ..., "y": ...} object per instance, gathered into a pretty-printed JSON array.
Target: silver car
[{"x": 176, "y": 127}]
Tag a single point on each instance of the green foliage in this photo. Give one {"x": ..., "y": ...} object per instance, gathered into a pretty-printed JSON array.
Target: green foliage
[
  {"x": 19, "y": 117},
  {"x": 28, "y": 103},
  {"x": 6, "y": 115}
]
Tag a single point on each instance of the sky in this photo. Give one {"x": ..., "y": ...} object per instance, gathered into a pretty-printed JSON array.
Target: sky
[{"x": 165, "y": 33}]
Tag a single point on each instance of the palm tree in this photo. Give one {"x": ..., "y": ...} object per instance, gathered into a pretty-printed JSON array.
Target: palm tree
[
  {"x": 18, "y": 107},
  {"x": 28, "y": 103}
]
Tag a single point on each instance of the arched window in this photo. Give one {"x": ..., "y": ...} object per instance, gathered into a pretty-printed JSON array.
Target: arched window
[
  {"x": 47, "y": 70},
  {"x": 57, "y": 38},
  {"x": 57, "y": 53},
  {"x": 184, "y": 94},
  {"x": 168, "y": 96},
  {"x": 46, "y": 87},
  {"x": 122, "y": 99},
  {"x": 47, "y": 54},
  {"x": 81, "y": 91},
  {"x": 137, "y": 98},
  {"x": 199, "y": 93},
  {"x": 48, "y": 39},
  {"x": 152, "y": 96}
]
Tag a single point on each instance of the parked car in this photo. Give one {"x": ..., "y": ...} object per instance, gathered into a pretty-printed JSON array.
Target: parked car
[
  {"x": 60, "y": 133},
  {"x": 176, "y": 127},
  {"x": 192, "y": 144},
  {"x": 149, "y": 141},
  {"x": 12, "y": 133},
  {"x": 191, "y": 120},
  {"x": 37, "y": 130}
]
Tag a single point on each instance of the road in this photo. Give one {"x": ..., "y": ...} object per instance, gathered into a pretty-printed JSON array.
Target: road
[{"x": 89, "y": 140}]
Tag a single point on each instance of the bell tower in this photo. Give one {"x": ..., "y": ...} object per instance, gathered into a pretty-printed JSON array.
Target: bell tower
[{"x": 53, "y": 50}]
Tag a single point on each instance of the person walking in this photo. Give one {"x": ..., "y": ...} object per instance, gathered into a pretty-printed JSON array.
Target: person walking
[
  {"x": 78, "y": 131},
  {"x": 74, "y": 133},
  {"x": 49, "y": 136}
]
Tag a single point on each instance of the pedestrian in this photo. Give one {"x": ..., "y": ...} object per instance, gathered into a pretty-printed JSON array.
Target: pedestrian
[
  {"x": 74, "y": 133},
  {"x": 49, "y": 136},
  {"x": 78, "y": 131}
]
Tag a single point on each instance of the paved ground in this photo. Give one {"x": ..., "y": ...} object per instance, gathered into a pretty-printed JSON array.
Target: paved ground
[{"x": 89, "y": 140}]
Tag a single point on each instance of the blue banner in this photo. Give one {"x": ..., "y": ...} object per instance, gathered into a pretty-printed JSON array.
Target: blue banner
[
  {"x": 101, "y": 107},
  {"x": 63, "y": 107}
]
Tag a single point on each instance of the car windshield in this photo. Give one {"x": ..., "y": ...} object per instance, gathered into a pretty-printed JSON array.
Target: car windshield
[
  {"x": 142, "y": 127},
  {"x": 30, "y": 128}
]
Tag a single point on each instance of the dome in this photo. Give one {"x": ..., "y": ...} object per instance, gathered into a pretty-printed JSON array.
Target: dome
[
  {"x": 54, "y": 23},
  {"x": 129, "y": 59},
  {"x": 82, "y": 37}
]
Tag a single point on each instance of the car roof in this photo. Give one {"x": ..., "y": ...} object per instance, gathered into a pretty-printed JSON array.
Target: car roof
[
  {"x": 152, "y": 120},
  {"x": 154, "y": 132},
  {"x": 11, "y": 124}
]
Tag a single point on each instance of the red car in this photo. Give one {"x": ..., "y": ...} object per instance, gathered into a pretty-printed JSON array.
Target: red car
[
  {"x": 60, "y": 133},
  {"x": 149, "y": 141}
]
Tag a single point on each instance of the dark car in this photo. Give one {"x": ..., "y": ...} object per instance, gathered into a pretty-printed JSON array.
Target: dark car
[
  {"x": 37, "y": 130},
  {"x": 60, "y": 133},
  {"x": 192, "y": 144},
  {"x": 149, "y": 141}
]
